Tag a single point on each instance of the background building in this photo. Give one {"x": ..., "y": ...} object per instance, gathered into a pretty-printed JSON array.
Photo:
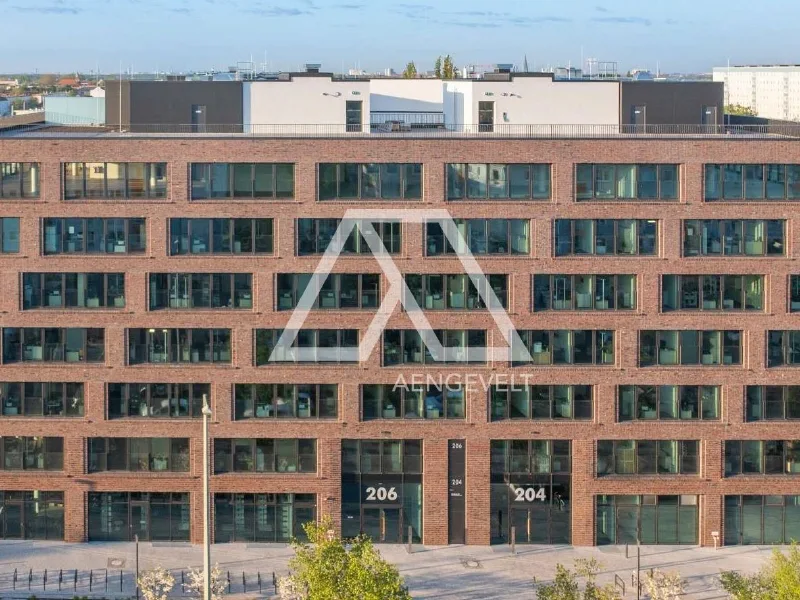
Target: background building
[
  {"x": 772, "y": 91},
  {"x": 650, "y": 273}
]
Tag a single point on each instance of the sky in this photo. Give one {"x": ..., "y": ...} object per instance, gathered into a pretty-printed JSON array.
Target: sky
[{"x": 181, "y": 35}]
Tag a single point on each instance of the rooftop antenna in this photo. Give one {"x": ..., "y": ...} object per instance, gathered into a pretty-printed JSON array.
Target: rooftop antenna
[{"x": 525, "y": 64}]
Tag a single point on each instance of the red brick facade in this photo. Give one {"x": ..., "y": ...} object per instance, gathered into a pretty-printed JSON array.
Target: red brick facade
[{"x": 691, "y": 154}]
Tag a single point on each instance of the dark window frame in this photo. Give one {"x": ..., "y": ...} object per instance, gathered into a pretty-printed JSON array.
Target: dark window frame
[
  {"x": 473, "y": 353},
  {"x": 602, "y": 347},
  {"x": 776, "y": 457},
  {"x": 173, "y": 284},
  {"x": 482, "y": 241},
  {"x": 659, "y": 345},
  {"x": 729, "y": 234},
  {"x": 714, "y": 175},
  {"x": 457, "y": 178},
  {"x": 299, "y": 405},
  {"x": 501, "y": 397},
  {"x": 558, "y": 462},
  {"x": 591, "y": 193},
  {"x": 208, "y": 172},
  {"x": 571, "y": 304},
  {"x": 24, "y": 170},
  {"x": 177, "y": 460},
  {"x": 173, "y": 398},
  {"x": 681, "y": 391},
  {"x": 103, "y": 300},
  {"x": 412, "y": 463},
  {"x": 225, "y": 459},
  {"x": 314, "y": 242},
  {"x": 641, "y": 467},
  {"x": 389, "y": 407},
  {"x": 122, "y": 241},
  {"x": 783, "y": 348},
  {"x": 160, "y": 191},
  {"x": 645, "y": 244},
  {"x": 176, "y": 352},
  {"x": 469, "y": 291},
  {"x": 193, "y": 247},
  {"x": 722, "y": 288},
  {"x": 28, "y": 457},
  {"x": 363, "y": 176},
  {"x": 48, "y": 351},
  {"x": 763, "y": 397},
  {"x": 275, "y": 334},
  {"x": 288, "y": 301},
  {"x": 28, "y": 404}
]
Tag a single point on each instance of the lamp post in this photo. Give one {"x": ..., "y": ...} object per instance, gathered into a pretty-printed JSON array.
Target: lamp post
[{"x": 206, "y": 516}]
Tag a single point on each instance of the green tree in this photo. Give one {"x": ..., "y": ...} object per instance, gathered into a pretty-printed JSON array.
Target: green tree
[
  {"x": 410, "y": 71},
  {"x": 330, "y": 568},
  {"x": 777, "y": 580},
  {"x": 437, "y": 67},
  {"x": 566, "y": 586},
  {"x": 448, "y": 69},
  {"x": 739, "y": 109}
]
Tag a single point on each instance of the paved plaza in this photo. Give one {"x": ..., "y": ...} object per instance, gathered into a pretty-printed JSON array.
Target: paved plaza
[{"x": 451, "y": 572}]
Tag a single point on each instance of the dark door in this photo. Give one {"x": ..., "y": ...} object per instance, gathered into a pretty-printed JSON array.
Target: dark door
[
  {"x": 198, "y": 118},
  {"x": 639, "y": 115},
  {"x": 709, "y": 115},
  {"x": 354, "y": 111},
  {"x": 13, "y": 518},
  {"x": 456, "y": 501},
  {"x": 140, "y": 520},
  {"x": 384, "y": 525},
  {"x": 486, "y": 116}
]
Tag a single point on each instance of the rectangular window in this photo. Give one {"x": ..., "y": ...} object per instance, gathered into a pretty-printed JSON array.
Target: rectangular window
[
  {"x": 315, "y": 235},
  {"x": 106, "y": 181},
  {"x": 584, "y": 292},
  {"x": 32, "y": 453},
  {"x": 200, "y": 290},
  {"x": 783, "y": 348},
  {"x": 664, "y": 520},
  {"x": 382, "y": 457},
  {"x": 370, "y": 181},
  {"x": 34, "y": 399},
  {"x": 412, "y": 402},
  {"x": 156, "y": 400},
  {"x": 772, "y": 402},
  {"x": 600, "y": 237},
  {"x": 73, "y": 290},
  {"x": 179, "y": 346},
  {"x": 752, "y": 182},
  {"x": 409, "y": 346},
  {"x": 220, "y": 236},
  {"x": 566, "y": 347},
  {"x": 138, "y": 454},
  {"x": 770, "y": 520},
  {"x": 668, "y": 402},
  {"x": 541, "y": 402},
  {"x": 19, "y": 180},
  {"x": 712, "y": 292},
  {"x": 338, "y": 291},
  {"x": 690, "y": 347},
  {"x": 211, "y": 181},
  {"x": 734, "y": 238},
  {"x": 265, "y": 455},
  {"x": 150, "y": 516},
  {"x": 762, "y": 457},
  {"x": 626, "y": 182},
  {"x": 262, "y": 518},
  {"x": 498, "y": 181},
  {"x": 57, "y": 345},
  {"x": 530, "y": 457},
  {"x": 646, "y": 457},
  {"x": 285, "y": 401},
  {"x": 93, "y": 236},
  {"x": 9, "y": 235},
  {"x": 311, "y": 346},
  {"x": 457, "y": 292},
  {"x": 480, "y": 236}
]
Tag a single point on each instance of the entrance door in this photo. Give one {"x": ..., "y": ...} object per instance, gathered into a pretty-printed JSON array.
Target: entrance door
[
  {"x": 627, "y": 524},
  {"x": 13, "y": 518},
  {"x": 486, "y": 116},
  {"x": 140, "y": 520},
  {"x": 198, "y": 118},
  {"x": 639, "y": 116},
  {"x": 709, "y": 115},
  {"x": 384, "y": 525}
]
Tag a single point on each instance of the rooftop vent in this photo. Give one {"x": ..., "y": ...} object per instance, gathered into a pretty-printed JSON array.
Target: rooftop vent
[
  {"x": 313, "y": 67},
  {"x": 503, "y": 68}
]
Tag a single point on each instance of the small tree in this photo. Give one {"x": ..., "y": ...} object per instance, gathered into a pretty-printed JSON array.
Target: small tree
[
  {"x": 664, "y": 586},
  {"x": 449, "y": 69},
  {"x": 777, "y": 580},
  {"x": 565, "y": 586},
  {"x": 410, "y": 71},
  {"x": 739, "y": 109},
  {"x": 437, "y": 67},
  {"x": 325, "y": 568},
  {"x": 47, "y": 80},
  {"x": 156, "y": 584},
  {"x": 197, "y": 578}
]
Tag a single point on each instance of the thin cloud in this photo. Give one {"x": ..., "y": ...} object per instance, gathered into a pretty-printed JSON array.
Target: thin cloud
[
  {"x": 348, "y": 6},
  {"x": 278, "y": 11},
  {"x": 624, "y": 20},
  {"x": 181, "y": 11},
  {"x": 601, "y": 9},
  {"x": 48, "y": 10}
]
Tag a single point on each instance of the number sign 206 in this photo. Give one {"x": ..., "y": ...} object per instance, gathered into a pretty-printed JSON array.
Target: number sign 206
[
  {"x": 381, "y": 494},
  {"x": 529, "y": 494}
]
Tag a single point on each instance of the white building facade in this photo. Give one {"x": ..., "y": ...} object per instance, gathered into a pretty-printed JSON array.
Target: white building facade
[{"x": 773, "y": 92}]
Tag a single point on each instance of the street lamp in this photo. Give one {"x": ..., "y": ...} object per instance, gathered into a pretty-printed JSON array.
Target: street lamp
[{"x": 206, "y": 517}]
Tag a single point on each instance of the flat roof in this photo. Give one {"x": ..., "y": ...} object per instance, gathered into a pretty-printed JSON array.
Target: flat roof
[{"x": 45, "y": 131}]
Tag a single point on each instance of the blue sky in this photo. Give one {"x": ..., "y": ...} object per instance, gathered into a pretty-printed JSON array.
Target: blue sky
[{"x": 682, "y": 35}]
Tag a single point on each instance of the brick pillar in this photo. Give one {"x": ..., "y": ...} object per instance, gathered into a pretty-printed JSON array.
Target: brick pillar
[
  {"x": 76, "y": 516},
  {"x": 583, "y": 513},
  {"x": 478, "y": 486},
  {"x": 712, "y": 469},
  {"x": 435, "y": 490},
  {"x": 115, "y": 346},
  {"x": 329, "y": 465}
]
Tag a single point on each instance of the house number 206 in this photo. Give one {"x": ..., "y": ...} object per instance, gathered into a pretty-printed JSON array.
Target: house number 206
[{"x": 381, "y": 493}]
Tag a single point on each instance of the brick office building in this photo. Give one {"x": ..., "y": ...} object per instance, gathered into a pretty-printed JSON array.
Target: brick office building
[{"x": 649, "y": 273}]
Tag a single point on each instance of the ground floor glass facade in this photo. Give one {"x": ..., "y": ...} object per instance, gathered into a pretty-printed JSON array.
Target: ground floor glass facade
[
  {"x": 648, "y": 519},
  {"x": 262, "y": 517},
  {"x": 761, "y": 519},
  {"x": 120, "y": 516}
]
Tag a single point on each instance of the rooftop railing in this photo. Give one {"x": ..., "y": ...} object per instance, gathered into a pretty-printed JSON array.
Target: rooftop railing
[{"x": 405, "y": 130}]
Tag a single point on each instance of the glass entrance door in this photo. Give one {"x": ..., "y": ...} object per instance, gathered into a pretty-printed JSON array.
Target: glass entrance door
[
  {"x": 384, "y": 525},
  {"x": 13, "y": 519},
  {"x": 140, "y": 520}
]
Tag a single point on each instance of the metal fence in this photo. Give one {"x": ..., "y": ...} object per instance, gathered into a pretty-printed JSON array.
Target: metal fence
[
  {"x": 402, "y": 130},
  {"x": 118, "y": 582}
]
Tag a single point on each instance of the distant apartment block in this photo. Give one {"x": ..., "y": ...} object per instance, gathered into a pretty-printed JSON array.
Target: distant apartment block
[{"x": 772, "y": 91}]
